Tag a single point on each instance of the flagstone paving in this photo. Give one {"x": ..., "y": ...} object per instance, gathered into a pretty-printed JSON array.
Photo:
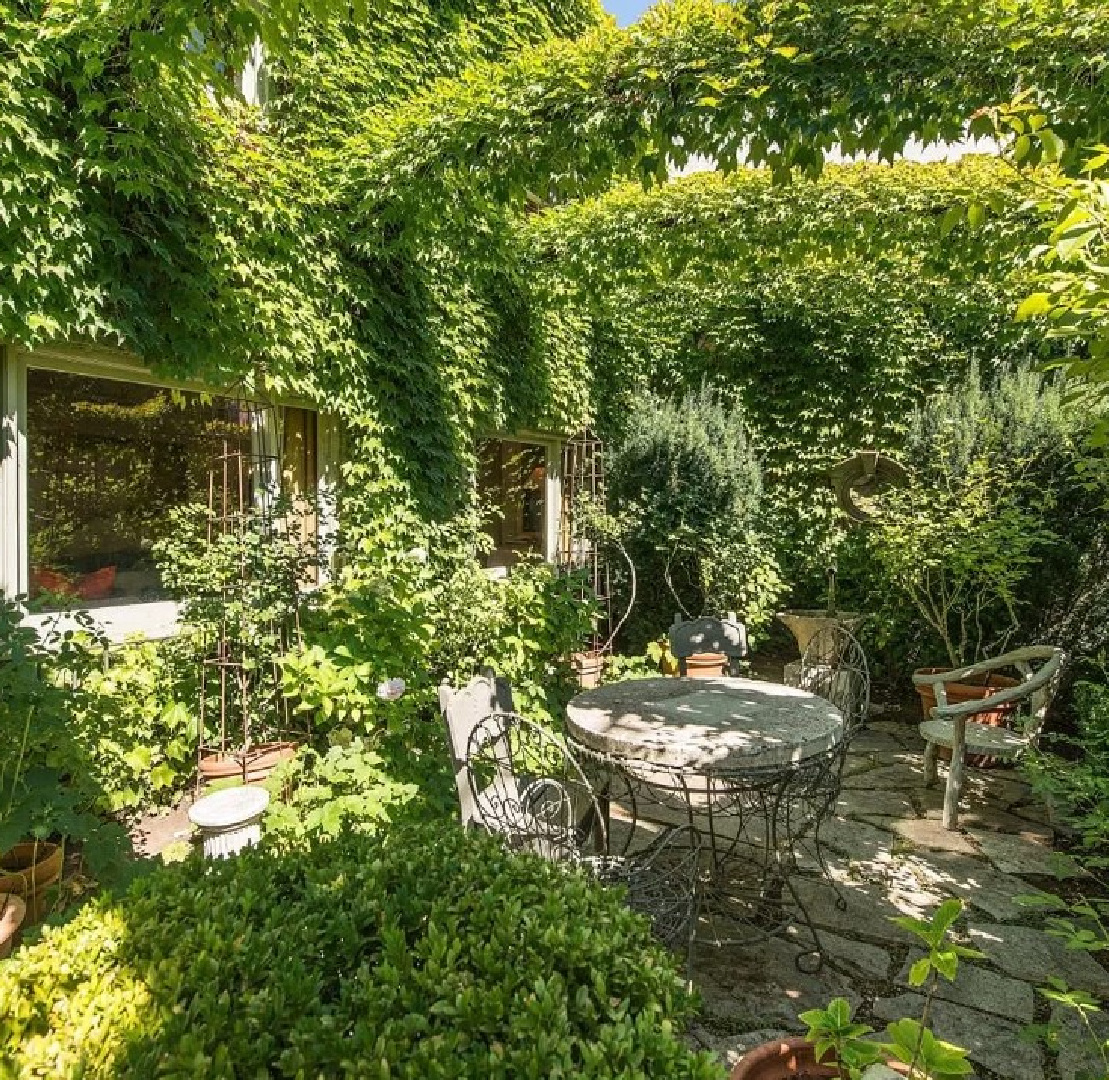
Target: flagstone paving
[{"x": 890, "y": 855}]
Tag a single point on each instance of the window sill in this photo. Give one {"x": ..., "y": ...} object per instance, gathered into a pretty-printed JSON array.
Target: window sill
[{"x": 154, "y": 621}]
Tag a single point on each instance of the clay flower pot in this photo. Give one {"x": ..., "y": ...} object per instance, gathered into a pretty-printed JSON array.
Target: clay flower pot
[
  {"x": 708, "y": 665},
  {"x": 974, "y": 689},
  {"x": 29, "y": 870},
  {"x": 790, "y": 1059},
  {"x": 13, "y": 910},
  {"x": 253, "y": 765},
  {"x": 588, "y": 666}
]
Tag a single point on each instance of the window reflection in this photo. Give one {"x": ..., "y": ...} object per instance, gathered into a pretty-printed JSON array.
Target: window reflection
[
  {"x": 513, "y": 488},
  {"x": 108, "y": 461}
]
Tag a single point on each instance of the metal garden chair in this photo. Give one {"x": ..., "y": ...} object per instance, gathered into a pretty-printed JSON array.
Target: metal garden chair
[
  {"x": 834, "y": 667},
  {"x": 708, "y": 635},
  {"x": 527, "y": 787},
  {"x": 953, "y": 726},
  {"x": 462, "y": 711}
]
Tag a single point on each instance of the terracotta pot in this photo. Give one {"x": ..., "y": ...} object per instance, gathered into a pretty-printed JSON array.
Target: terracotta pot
[
  {"x": 589, "y": 667},
  {"x": 12, "y": 912},
  {"x": 253, "y": 766},
  {"x": 31, "y": 870},
  {"x": 98, "y": 585},
  {"x": 708, "y": 665},
  {"x": 790, "y": 1059},
  {"x": 974, "y": 689}
]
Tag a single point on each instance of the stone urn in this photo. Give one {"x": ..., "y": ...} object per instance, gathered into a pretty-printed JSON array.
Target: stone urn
[{"x": 806, "y": 623}]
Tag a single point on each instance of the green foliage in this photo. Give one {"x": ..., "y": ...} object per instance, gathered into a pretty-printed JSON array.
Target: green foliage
[
  {"x": 321, "y": 795},
  {"x": 687, "y": 482},
  {"x": 418, "y": 953},
  {"x": 992, "y": 471},
  {"x": 131, "y": 727},
  {"x": 837, "y": 1039},
  {"x": 1073, "y": 770}
]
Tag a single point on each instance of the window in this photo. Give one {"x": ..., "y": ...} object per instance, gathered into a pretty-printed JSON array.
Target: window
[
  {"x": 95, "y": 462},
  {"x": 518, "y": 488}
]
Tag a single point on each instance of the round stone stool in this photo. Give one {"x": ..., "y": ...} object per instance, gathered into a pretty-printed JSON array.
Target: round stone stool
[{"x": 230, "y": 820}]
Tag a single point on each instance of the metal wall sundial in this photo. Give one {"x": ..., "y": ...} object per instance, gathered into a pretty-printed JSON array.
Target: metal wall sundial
[{"x": 861, "y": 478}]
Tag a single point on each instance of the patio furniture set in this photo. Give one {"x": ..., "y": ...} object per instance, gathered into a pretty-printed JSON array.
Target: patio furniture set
[{"x": 703, "y": 795}]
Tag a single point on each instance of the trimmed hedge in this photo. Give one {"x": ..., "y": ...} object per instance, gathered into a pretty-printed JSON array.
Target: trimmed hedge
[{"x": 423, "y": 953}]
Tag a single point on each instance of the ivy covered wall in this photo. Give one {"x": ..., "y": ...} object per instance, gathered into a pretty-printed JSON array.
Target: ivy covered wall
[{"x": 377, "y": 239}]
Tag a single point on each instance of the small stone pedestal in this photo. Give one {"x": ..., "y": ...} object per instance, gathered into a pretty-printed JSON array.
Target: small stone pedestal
[{"x": 230, "y": 820}]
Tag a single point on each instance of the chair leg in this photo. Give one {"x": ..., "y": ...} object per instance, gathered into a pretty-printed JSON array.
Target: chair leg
[
  {"x": 955, "y": 775},
  {"x": 931, "y": 752}
]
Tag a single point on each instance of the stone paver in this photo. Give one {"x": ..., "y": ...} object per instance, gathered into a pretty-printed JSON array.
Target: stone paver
[
  {"x": 1079, "y": 1051},
  {"x": 1028, "y": 953},
  {"x": 923, "y": 832},
  {"x": 991, "y": 1041},
  {"x": 890, "y": 855},
  {"x": 980, "y": 988},
  {"x": 1023, "y": 855}
]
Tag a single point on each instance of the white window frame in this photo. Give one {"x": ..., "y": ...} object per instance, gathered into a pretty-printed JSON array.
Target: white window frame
[{"x": 153, "y": 619}]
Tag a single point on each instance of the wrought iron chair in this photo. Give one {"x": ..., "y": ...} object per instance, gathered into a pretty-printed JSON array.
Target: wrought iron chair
[
  {"x": 527, "y": 787},
  {"x": 834, "y": 668},
  {"x": 952, "y": 726},
  {"x": 708, "y": 635},
  {"x": 462, "y": 711}
]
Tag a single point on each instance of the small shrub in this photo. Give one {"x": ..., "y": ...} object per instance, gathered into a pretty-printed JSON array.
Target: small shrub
[
  {"x": 688, "y": 481},
  {"x": 423, "y": 953}
]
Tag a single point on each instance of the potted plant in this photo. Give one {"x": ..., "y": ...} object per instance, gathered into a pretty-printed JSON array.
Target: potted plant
[
  {"x": 964, "y": 532},
  {"x": 836, "y": 1045},
  {"x": 240, "y": 593}
]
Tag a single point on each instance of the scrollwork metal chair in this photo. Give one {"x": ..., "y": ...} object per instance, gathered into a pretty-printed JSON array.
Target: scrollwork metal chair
[
  {"x": 707, "y": 635},
  {"x": 835, "y": 668},
  {"x": 462, "y": 711},
  {"x": 952, "y": 726},
  {"x": 528, "y": 788}
]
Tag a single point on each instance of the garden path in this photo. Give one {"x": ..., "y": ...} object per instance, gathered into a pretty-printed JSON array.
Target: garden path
[{"x": 889, "y": 852}]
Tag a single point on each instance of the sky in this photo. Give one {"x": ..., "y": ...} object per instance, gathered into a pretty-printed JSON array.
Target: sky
[{"x": 627, "y": 11}]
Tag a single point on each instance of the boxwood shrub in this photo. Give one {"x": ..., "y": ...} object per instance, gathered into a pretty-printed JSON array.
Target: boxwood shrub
[{"x": 424, "y": 952}]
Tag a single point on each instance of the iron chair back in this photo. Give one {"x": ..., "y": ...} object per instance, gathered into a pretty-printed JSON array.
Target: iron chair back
[
  {"x": 708, "y": 635},
  {"x": 462, "y": 710},
  {"x": 834, "y": 667},
  {"x": 528, "y": 788}
]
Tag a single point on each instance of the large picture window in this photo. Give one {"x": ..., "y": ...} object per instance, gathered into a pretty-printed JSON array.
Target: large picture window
[{"x": 107, "y": 462}]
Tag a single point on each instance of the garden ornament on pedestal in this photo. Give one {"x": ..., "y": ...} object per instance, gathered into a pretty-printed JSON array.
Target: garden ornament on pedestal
[
  {"x": 230, "y": 820},
  {"x": 953, "y": 725}
]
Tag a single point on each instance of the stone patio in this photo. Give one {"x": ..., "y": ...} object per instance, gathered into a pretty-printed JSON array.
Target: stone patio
[{"x": 890, "y": 855}]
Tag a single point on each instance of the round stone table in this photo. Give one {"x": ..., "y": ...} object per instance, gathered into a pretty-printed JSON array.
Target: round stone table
[
  {"x": 704, "y": 726},
  {"x": 748, "y": 762},
  {"x": 230, "y": 820}
]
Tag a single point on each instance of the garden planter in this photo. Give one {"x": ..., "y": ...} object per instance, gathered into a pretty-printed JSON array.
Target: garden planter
[
  {"x": 12, "y": 912},
  {"x": 588, "y": 666},
  {"x": 98, "y": 585},
  {"x": 805, "y": 623},
  {"x": 31, "y": 870},
  {"x": 790, "y": 1059},
  {"x": 253, "y": 765},
  {"x": 973, "y": 689},
  {"x": 708, "y": 665}
]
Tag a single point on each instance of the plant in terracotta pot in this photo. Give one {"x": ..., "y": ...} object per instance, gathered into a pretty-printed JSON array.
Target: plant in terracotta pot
[
  {"x": 838, "y": 1046},
  {"x": 964, "y": 535},
  {"x": 240, "y": 589}
]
